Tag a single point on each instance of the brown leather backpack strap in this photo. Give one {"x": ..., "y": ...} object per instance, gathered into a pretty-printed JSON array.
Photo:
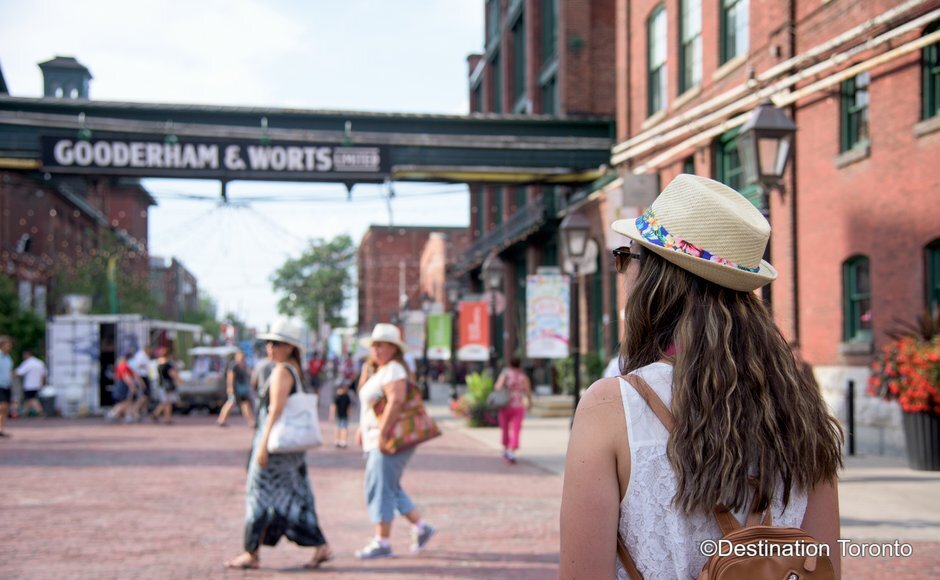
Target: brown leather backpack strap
[
  {"x": 627, "y": 560},
  {"x": 726, "y": 521},
  {"x": 659, "y": 408}
]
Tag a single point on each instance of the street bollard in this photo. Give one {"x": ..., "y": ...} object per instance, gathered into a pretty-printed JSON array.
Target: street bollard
[{"x": 850, "y": 416}]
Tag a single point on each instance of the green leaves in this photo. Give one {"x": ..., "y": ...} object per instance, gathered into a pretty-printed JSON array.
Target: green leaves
[
  {"x": 27, "y": 330},
  {"x": 321, "y": 275}
]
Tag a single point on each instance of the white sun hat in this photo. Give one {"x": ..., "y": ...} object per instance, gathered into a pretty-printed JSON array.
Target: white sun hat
[
  {"x": 284, "y": 331},
  {"x": 708, "y": 229},
  {"x": 384, "y": 332}
]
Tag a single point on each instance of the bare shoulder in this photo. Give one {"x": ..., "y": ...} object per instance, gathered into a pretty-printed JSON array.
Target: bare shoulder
[{"x": 603, "y": 392}]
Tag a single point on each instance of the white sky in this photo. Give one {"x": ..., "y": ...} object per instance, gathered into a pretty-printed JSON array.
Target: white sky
[{"x": 374, "y": 55}]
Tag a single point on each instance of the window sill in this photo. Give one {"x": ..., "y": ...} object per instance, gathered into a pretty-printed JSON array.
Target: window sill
[
  {"x": 853, "y": 155},
  {"x": 654, "y": 119},
  {"x": 729, "y": 67},
  {"x": 687, "y": 96},
  {"x": 856, "y": 347},
  {"x": 927, "y": 126}
]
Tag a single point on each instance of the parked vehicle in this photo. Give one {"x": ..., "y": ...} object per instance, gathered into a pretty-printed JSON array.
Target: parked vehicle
[{"x": 203, "y": 386}]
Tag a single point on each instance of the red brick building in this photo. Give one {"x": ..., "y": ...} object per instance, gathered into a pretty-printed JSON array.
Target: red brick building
[
  {"x": 53, "y": 227},
  {"x": 173, "y": 287},
  {"x": 389, "y": 269},
  {"x": 856, "y": 225},
  {"x": 541, "y": 57}
]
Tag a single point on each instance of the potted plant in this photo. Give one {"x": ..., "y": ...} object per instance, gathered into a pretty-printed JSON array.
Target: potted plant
[
  {"x": 907, "y": 370},
  {"x": 472, "y": 405}
]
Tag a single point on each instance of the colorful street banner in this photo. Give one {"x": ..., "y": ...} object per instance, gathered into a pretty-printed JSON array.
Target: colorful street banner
[
  {"x": 547, "y": 315},
  {"x": 474, "y": 332},
  {"x": 413, "y": 322},
  {"x": 439, "y": 337}
]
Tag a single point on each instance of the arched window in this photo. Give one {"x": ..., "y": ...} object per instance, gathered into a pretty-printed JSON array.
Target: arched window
[
  {"x": 931, "y": 75},
  {"x": 932, "y": 271},
  {"x": 856, "y": 302}
]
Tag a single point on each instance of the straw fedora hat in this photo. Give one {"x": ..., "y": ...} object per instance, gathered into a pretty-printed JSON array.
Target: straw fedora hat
[
  {"x": 708, "y": 229},
  {"x": 384, "y": 332},
  {"x": 284, "y": 331}
]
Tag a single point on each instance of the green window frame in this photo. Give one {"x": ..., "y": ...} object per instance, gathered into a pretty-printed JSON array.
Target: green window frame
[
  {"x": 728, "y": 168},
  {"x": 549, "y": 44},
  {"x": 498, "y": 205},
  {"x": 856, "y": 301},
  {"x": 521, "y": 199},
  {"x": 932, "y": 269},
  {"x": 497, "y": 84},
  {"x": 549, "y": 90},
  {"x": 656, "y": 35},
  {"x": 690, "y": 44},
  {"x": 853, "y": 112},
  {"x": 734, "y": 29},
  {"x": 550, "y": 252},
  {"x": 930, "y": 93},
  {"x": 492, "y": 20},
  {"x": 481, "y": 212},
  {"x": 518, "y": 58},
  {"x": 688, "y": 165}
]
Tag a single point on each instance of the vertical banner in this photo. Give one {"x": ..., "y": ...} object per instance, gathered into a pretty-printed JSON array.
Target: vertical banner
[
  {"x": 414, "y": 331},
  {"x": 439, "y": 329},
  {"x": 474, "y": 332},
  {"x": 547, "y": 316}
]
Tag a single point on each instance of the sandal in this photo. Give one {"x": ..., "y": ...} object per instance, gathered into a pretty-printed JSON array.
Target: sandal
[
  {"x": 324, "y": 554},
  {"x": 243, "y": 562}
]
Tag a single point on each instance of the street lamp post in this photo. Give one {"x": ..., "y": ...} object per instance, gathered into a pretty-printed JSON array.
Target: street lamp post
[
  {"x": 493, "y": 269},
  {"x": 426, "y": 302},
  {"x": 574, "y": 233},
  {"x": 765, "y": 145},
  {"x": 452, "y": 288}
]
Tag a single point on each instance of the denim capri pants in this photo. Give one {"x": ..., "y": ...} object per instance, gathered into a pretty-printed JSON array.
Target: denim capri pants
[{"x": 384, "y": 494}]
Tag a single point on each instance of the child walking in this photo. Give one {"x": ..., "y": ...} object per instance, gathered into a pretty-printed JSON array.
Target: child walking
[{"x": 339, "y": 411}]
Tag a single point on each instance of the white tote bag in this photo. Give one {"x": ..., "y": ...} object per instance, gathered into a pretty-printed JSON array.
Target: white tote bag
[{"x": 298, "y": 427}]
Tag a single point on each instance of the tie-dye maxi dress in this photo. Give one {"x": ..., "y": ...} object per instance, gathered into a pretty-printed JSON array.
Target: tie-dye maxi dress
[{"x": 279, "y": 499}]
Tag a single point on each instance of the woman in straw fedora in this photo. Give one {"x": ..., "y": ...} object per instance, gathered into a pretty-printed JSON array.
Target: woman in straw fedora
[
  {"x": 746, "y": 420},
  {"x": 279, "y": 499},
  {"x": 385, "y": 373}
]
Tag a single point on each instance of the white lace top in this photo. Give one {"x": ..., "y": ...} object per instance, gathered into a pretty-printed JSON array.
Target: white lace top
[{"x": 663, "y": 542}]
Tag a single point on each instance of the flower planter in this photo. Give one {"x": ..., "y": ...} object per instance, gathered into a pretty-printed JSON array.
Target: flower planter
[{"x": 922, "y": 436}]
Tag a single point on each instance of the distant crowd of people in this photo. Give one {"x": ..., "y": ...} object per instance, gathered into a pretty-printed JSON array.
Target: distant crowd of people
[{"x": 31, "y": 372}]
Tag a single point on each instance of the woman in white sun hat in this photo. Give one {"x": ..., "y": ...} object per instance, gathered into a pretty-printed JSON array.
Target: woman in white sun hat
[
  {"x": 279, "y": 498},
  {"x": 385, "y": 373},
  {"x": 748, "y": 428}
]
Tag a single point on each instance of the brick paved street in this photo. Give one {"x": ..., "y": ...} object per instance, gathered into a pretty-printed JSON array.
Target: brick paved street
[{"x": 88, "y": 500}]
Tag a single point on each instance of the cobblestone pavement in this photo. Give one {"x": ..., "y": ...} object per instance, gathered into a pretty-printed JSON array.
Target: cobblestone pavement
[{"x": 83, "y": 499}]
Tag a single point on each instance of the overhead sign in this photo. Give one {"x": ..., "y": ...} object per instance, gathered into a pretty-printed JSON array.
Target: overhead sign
[
  {"x": 474, "y": 331},
  {"x": 219, "y": 159},
  {"x": 547, "y": 315}
]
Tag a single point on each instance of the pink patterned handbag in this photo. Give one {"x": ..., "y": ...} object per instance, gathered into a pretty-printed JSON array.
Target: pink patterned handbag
[{"x": 414, "y": 425}]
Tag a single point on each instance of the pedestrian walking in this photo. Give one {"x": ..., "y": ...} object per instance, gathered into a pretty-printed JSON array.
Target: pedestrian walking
[
  {"x": 385, "y": 374},
  {"x": 519, "y": 388},
  {"x": 339, "y": 412},
  {"x": 126, "y": 386},
  {"x": 238, "y": 388},
  {"x": 279, "y": 497},
  {"x": 6, "y": 381},
  {"x": 712, "y": 413},
  {"x": 32, "y": 372},
  {"x": 140, "y": 363},
  {"x": 169, "y": 382}
]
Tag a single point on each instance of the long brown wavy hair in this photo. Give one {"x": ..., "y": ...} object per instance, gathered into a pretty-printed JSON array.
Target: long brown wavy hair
[{"x": 741, "y": 404}]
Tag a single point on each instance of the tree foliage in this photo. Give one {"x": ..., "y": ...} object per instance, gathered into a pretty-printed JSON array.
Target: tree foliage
[
  {"x": 27, "y": 330},
  {"x": 322, "y": 274}
]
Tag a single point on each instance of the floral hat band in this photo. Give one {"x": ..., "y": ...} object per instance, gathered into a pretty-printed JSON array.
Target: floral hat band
[
  {"x": 656, "y": 233},
  {"x": 707, "y": 229}
]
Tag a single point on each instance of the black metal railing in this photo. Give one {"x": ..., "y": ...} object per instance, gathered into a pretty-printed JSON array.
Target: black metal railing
[{"x": 520, "y": 225}]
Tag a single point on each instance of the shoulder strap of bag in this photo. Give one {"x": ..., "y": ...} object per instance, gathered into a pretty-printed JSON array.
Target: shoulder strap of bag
[{"x": 726, "y": 521}]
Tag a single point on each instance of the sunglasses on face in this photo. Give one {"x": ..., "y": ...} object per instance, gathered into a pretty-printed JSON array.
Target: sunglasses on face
[{"x": 622, "y": 257}]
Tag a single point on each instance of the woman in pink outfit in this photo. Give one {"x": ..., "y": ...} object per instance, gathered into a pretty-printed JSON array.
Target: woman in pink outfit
[{"x": 520, "y": 399}]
